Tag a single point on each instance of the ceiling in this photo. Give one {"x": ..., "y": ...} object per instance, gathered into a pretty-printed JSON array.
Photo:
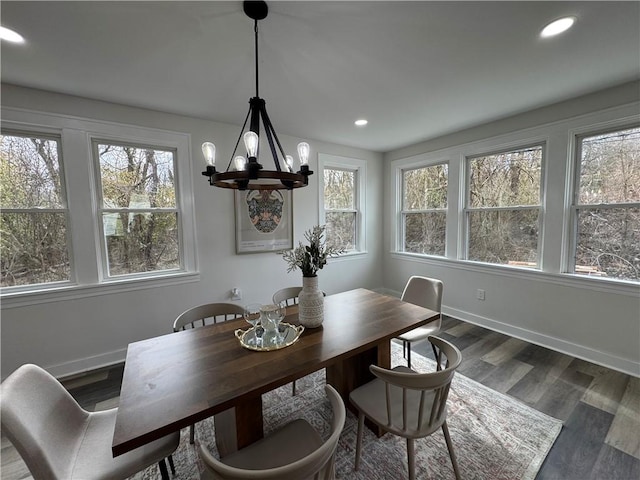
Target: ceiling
[{"x": 415, "y": 70}]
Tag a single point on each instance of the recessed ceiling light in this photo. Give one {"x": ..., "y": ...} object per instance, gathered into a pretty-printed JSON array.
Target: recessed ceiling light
[
  {"x": 10, "y": 35},
  {"x": 557, "y": 26},
  {"x": 362, "y": 122}
]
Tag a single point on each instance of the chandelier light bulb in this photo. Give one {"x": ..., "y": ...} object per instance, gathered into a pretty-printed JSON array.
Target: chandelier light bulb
[
  {"x": 209, "y": 152},
  {"x": 240, "y": 163},
  {"x": 289, "y": 161},
  {"x": 251, "y": 142},
  {"x": 303, "y": 153}
]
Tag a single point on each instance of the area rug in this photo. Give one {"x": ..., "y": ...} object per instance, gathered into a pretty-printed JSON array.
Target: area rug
[{"x": 495, "y": 437}]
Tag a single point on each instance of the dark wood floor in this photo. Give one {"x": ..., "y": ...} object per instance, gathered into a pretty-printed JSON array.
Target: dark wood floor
[{"x": 600, "y": 408}]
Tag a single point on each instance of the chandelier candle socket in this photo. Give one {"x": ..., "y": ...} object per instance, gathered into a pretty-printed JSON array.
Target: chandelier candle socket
[{"x": 249, "y": 173}]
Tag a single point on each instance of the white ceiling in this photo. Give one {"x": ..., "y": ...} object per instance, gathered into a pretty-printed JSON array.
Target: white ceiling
[{"x": 415, "y": 70}]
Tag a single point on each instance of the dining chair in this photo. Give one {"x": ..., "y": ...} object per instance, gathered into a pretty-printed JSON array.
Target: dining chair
[
  {"x": 425, "y": 292},
  {"x": 59, "y": 440},
  {"x": 289, "y": 296},
  {"x": 293, "y": 452},
  {"x": 202, "y": 315},
  {"x": 409, "y": 404}
]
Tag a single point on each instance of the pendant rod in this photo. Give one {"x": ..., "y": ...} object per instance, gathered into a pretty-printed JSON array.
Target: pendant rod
[{"x": 255, "y": 29}]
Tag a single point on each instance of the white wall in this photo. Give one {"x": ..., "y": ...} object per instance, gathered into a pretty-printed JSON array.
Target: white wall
[
  {"x": 595, "y": 320},
  {"x": 70, "y": 335}
]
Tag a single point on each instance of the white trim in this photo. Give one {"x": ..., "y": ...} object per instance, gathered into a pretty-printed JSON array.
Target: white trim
[{"x": 87, "y": 364}]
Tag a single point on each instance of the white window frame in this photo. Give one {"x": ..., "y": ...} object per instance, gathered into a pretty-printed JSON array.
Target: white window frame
[
  {"x": 88, "y": 272},
  {"x": 576, "y": 137},
  {"x": 540, "y": 206},
  {"x": 359, "y": 167},
  {"x": 403, "y": 212}
]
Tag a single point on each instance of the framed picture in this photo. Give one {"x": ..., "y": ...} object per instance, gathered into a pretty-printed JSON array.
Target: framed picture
[{"x": 264, "y": 220}]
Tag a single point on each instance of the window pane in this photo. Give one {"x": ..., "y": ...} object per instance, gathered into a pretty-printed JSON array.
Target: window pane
[
  {"x": 506, "y": 179},
  {"x": 141, "y": 242},
  {"x": 341, "y": 229},
  {"x": 425, "y": 188},
  {"x": 608, "y": 243},
  {"x": 339, "y": 188},
  {"x": 425, "y": 232},
  {"x": 504, "y": 237},
  {"x": 34, "y": 248},
  {"x": 610, "y": 168},
  {"x": 29, "y": 172},
  {"x": 134, "y": 177}
]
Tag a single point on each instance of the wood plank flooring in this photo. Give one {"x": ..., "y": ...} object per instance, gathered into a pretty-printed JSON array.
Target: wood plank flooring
[{"x": 600, "y": 407}]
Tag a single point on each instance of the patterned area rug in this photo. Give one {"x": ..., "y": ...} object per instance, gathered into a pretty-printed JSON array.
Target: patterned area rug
[{"x": 494, "y": 436}]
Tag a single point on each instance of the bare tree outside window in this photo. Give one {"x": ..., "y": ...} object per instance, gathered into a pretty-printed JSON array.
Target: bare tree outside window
[
  {"x": 424, "y": 209},
  {"x": 139, "y": 210},
  {"x": 503, "y": 207},
  {"x": 33, "y": 230},
  {"x": 340, "y": 208},
  {"x": 607, "y": 206}
]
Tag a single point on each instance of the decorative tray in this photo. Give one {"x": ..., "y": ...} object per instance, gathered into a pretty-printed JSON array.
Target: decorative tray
[{"x": 261, "y": 340}]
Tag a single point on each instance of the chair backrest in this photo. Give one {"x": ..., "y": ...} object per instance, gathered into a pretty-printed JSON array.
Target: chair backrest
[
  {"x": 425, "y": 292},
  {"x": 288, "y": 295},
  {"x": 207, "y": 314},
  {"x": 320, "y": 460},
  {"x": 43, "y": 421},
  {"x": 417, "y": 402}
]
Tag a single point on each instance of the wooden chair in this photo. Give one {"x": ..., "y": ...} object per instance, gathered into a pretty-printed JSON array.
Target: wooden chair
[
  {"x": 205, "y": 315},
  {"x": 409, "y": 404},
  {"x": 59, "y": 440},
  {"x": 425, "y": 292},
  {"x": 294, "y": 452}
]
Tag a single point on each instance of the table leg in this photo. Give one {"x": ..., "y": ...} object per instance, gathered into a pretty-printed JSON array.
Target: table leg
[{"x": 239, "y": 426}]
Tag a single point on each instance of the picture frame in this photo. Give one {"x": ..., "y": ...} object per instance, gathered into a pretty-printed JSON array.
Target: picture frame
[{"x": 264, "y": 220}]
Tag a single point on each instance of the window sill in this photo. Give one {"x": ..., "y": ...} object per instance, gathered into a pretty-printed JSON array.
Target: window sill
[
  {"x": 73, "y": 292},
  {"x": 608, "y": 285},
  {"x": 354, "y": 255}
]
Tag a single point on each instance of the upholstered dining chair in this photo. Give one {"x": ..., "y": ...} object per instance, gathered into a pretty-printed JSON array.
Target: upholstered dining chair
[
  {"x": 294, "y": 452},
  {"x": 409, "y": 404},
  {"x": 59, "y": 440},
  {"x": 289, "y": 296},
  {"x": 202, "y": 315},
  {"x": 425, "y": 292}
]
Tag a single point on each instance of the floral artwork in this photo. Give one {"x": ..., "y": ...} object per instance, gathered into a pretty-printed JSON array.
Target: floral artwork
[
  {"x": 264, "y": 220},
  {"x": 264, "y": 208}
]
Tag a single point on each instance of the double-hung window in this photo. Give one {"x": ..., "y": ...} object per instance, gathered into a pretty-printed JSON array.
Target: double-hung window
[
  {"x": 139, "y": 209},
  {"x": 503, "y": 207},
  {"x": 606, "y": 205},
  {"x": 342, "y": 201},
  {"x": 34, "y": 219},
  {"x": 424, "y": 209}
]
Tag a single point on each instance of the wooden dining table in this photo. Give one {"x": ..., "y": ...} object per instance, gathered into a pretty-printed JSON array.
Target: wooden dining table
[{"x": 175, "y": 380}]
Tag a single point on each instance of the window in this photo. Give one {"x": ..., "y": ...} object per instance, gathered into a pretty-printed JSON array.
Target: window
[
  {"x": 503, "y": 207},
  {"x": 606, "y": 207},
  {"x": 424, "y": 209},
  {"x": 342, "y": 201},
  {"x": 138, "y": 208},
  {"x": 33, "y": 232}
]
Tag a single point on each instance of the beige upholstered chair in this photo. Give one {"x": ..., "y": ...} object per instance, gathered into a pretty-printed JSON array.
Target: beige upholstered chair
[
  {"x": 409, "y": 404},
  {"x": 294, "y": 452},
  {"x": 205, "y": 315},
  {"x": 59, "y": 440},
  {"x": 289, "y": 296},
  {"x": 425, "y": 292}
]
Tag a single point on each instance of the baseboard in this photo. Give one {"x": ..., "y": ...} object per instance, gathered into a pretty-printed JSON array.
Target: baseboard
[
  {"x": 87, "y": 364},
  {"x": 591, "y": 355}
]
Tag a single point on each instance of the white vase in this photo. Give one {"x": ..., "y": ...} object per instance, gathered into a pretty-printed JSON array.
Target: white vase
[{"x": 311, "y": 303}]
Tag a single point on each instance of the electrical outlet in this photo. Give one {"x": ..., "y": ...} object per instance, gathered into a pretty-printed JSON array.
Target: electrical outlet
[
  {"x": 236, "y": 294},
  {"x": 480, "y": 294}
]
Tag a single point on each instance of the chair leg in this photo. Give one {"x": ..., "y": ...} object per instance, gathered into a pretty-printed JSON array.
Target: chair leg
[
  {"x": 447, "y": 438},
  {"x": 411, "y": 458},
  {"x": 404, "y": 349},
  {"x": 163, "y": 470},
  {"x": 171, "y": 465},
  {"x": 359, "y": 439},
  {"x": 409, "y": 354},
  {"x": 293, "y": 388},
  {"x": 192, "y": 434}
]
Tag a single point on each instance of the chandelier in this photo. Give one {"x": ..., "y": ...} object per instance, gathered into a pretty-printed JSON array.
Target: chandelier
[{"x": 247, "y": 173}]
